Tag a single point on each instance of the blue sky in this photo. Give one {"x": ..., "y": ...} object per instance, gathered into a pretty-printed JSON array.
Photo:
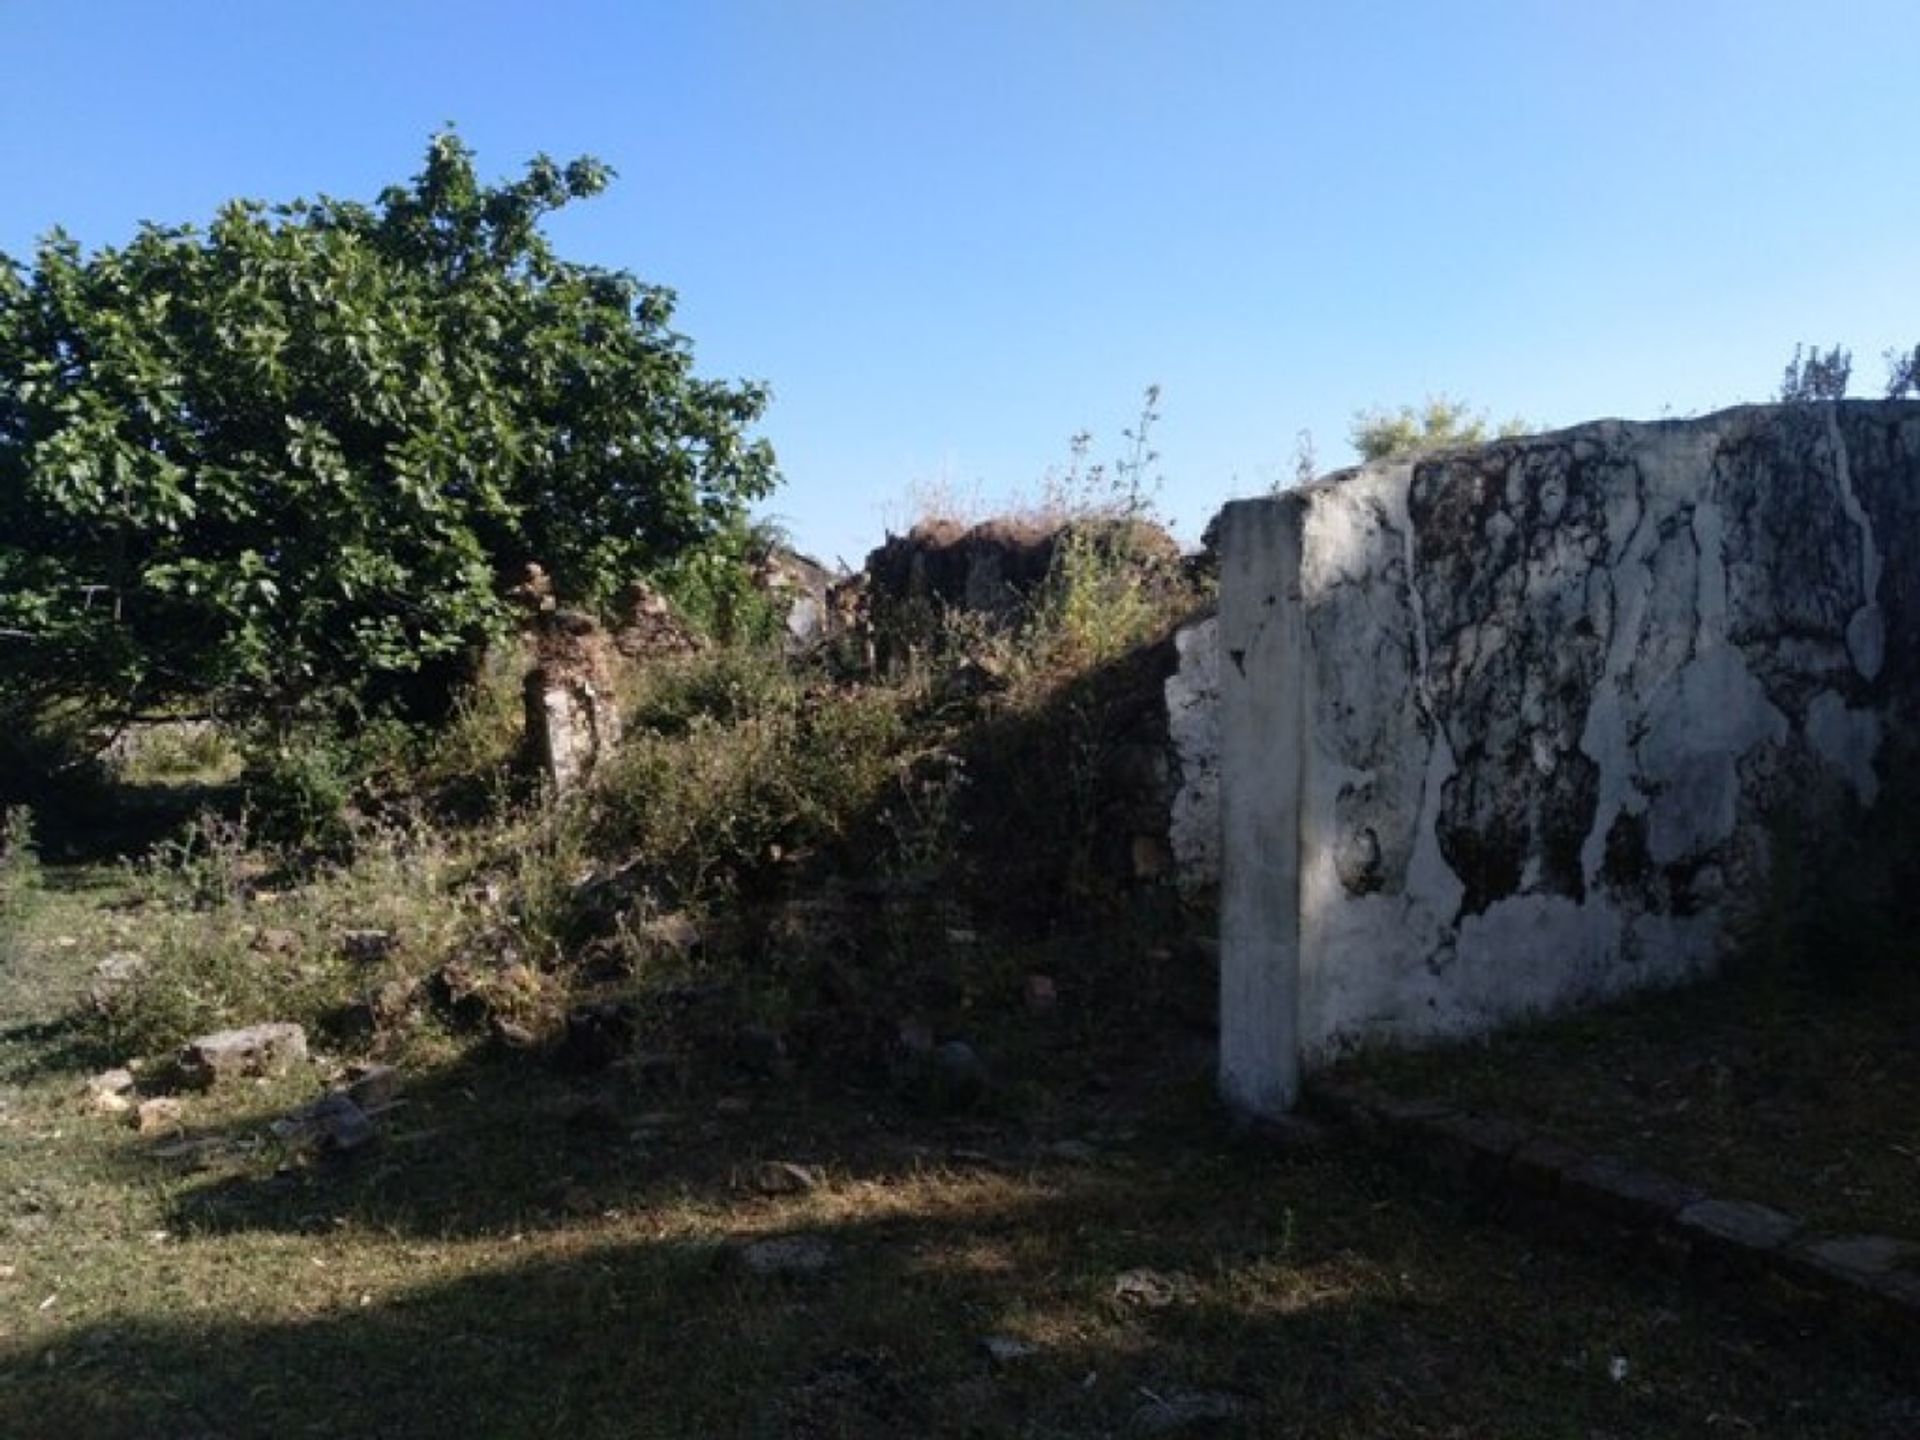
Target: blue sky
[{"x": 952, "y": 234}]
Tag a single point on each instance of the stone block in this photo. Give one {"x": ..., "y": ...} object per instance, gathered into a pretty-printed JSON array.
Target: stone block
[
  {"x": 333, "y": 1122},
  {"x": 1854, "y": 1262},
  {"x": 368, "y": 946},
  {"x": 1628, "y": 1193},
  {"x": 789, "y": 1255},
  {"x": 268, "y": 1049},
  {"x": 1735, "y": 1229},
  {"x": 113, "y": 977},
  {"x": 1470, "y": 1146},
  {"x": 1860, "y": 1254},
  {"x": 1539, "y": 1165}
]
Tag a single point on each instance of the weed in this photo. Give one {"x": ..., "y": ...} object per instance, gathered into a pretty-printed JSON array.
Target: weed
[
  {"x": 209, "y": 863},
  {"x": 19, "y": 873},
  {"x": 472, "y": 766},
  {"x": 1110, "y": 583},
  {"x": 924, "y": 823},
  {"x": 175, "y": 752},
  {"x": 222, "y": 950},
  {"x": 731, "y": 765}
]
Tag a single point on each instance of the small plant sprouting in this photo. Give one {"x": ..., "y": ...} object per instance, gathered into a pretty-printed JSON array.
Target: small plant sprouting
[
  {"x": 19, "y": 868},
  {"x": 1100, "y": 597},
  {"x": 925, "y": 825}
]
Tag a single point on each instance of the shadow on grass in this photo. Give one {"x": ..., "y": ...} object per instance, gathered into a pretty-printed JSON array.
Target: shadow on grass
[
  {"x": 98, "y": 821},
  {"x": 496, "y": 1142},
  {"x": 1307, "y": 1298},
  {"x": 69, "y": 1044}
]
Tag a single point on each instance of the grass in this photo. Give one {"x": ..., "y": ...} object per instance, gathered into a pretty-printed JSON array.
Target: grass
[
  {"x": 1764, "y": 1085},
  {"x": 527, "y": 1253},
  {"x": 531, "y": 1250}
]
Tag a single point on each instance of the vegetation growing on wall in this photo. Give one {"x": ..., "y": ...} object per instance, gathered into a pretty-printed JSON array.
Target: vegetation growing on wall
[
  {"x": 1814, "y": 374},
  {"x": 1438, "y": 424}
]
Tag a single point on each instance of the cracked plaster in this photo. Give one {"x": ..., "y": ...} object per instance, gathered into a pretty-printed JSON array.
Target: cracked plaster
[{"x": 1550, "y": 687}]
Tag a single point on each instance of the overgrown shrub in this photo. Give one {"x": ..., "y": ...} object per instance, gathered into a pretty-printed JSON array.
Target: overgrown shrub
[
  {"x": 1114, "y": 585},
  {"x": 311, "y": 790},
  {"x": 175, "y": 752},
  {"x": 222, "y": 953},
  {"x": 472, "y": 767},
  {"x": 733, "y": 764}
]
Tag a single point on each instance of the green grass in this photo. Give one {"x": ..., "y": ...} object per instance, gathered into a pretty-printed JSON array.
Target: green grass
[
  {"x": 1766, "y": 1085},
  {"x": 525, "y": 1253}
]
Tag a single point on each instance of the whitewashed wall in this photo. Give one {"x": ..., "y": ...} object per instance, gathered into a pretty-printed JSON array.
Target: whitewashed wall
[{"x": 1501, "y": 730}]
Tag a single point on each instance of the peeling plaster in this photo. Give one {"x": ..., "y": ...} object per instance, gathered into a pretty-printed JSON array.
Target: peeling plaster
[
  {"x": 1550, "y": 689},
  {"x": 1193, "y": 729}
]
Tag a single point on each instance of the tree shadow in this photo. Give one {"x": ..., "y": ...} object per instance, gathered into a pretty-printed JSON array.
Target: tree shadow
[
  {"x": 68, "y": 1044},
  {"x": 494, "y": 1142},
  {"x": 1309, "y": 1297}
]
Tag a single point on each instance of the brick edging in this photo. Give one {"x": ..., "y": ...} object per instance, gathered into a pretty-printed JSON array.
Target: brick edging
[{"x": 1677, "y": 1221}]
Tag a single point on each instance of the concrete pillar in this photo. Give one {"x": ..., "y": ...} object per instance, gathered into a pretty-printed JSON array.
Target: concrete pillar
[{"x": 1263, "y": 674}]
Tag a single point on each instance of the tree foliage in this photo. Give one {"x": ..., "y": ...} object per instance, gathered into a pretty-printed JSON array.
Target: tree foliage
[
  {"x": 282, "y": 464},
  {"x": 1438, "y": 424},
  {"x": 1814, "y": 375},
  {"x": 1903, "y": 373}
]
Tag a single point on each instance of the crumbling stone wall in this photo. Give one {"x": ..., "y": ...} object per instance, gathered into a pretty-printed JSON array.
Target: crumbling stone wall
[
  {"x": 1502, "y": 730},
  {"x": 573, "y": 717},
  {"x": 991, "y": 574},
  {"x": 1193, "y": 738}
]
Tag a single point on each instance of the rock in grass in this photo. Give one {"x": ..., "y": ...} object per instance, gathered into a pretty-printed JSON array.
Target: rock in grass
[
  {"x": 368, "y": 946},
  {"x": 269, "y": 1049},
  {"x": 389, "y": 1004},
  {"x": 111, "y": 1082},
  {"x": 789, "y": 1255},
  {"x": 1005, "y": 1350},
  {"x": 275, "y": 940},
  {"x": 333, "y": 1122},
  {"x": 783, "y": 1177},
  {"x": 372, "y": 1086},
  {"x": 1153, "y": 1289},
  {"x": 159, "y": 1116},
  {"x": 1182, "y": 1410},
  {"x": 111, "y": 1092}
]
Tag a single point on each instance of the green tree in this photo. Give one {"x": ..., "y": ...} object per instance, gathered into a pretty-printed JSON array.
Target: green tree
[
  {"x": 1812, "y": 375},
  {"x": 290, "y": 465},
  {"x": 1903, "y": 373},
  {"x": 1441, "y": 422}
]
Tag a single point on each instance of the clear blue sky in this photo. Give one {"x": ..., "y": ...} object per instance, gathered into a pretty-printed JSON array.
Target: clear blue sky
[{"x": 951, "y": 234}]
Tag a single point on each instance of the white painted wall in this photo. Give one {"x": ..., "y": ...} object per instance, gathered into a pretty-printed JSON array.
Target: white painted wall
[{"x": 1501, "y": 730}]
